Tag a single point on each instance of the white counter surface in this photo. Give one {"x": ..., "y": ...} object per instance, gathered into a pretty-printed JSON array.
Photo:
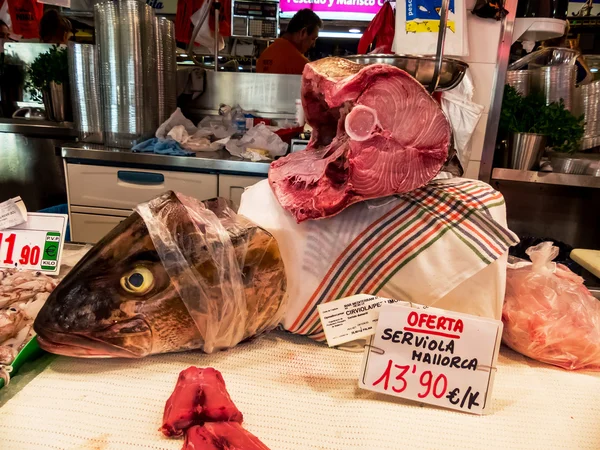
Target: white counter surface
[{"x": 295, "y": 394}]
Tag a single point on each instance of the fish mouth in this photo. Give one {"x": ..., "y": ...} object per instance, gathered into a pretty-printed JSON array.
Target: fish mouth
[{"x": 136, "y": 342}]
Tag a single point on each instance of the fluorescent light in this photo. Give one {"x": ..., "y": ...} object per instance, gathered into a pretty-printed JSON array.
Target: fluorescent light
[
  {"x": 336, "y": 34},
  {"x": 594, "y": 69},
  {"x": 240, "y": 67},
  {"x": 354, "y": 30}
]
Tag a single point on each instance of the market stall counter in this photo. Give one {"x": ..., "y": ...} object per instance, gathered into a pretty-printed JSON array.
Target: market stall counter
[
  {"x": 295, "y": 394},
  {"x": 105, "y": 184}
]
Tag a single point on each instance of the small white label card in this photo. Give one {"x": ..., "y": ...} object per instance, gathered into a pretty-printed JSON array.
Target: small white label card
[
  {"x": 36, "y": 244},
  {"x": 351, "y": 318},
  {"x": 12, "y": 213},
  {"x": 434, "y": 356}
]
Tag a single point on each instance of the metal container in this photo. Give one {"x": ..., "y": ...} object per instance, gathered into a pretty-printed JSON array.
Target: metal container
[
  {"x": 166, "y": 68},
  {"x": 548, "y": 56},
  {"x": 555, "y": 83},
  {"x": 420, "y": 67},
  {"x": 57, "y": 102},
  {"x": 85, "y": 92},
  {"x": 520, "y": 80},
  {"x": 525, "y": 150},
  {"x": 127, "y": 67},
  {"x": 587, "y": 99},
  {"x": 573, "y": 166}
]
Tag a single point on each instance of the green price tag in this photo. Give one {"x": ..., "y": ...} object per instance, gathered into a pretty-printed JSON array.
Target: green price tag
[{"x": 51, "y": 250}]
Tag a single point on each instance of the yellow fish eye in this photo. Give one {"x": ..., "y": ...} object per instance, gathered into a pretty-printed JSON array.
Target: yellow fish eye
[{"x": 138, "y": 281}]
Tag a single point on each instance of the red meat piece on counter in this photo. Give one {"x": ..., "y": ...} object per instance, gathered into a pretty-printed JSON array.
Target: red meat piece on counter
[
  {"x": 200, "y": 396},
  {"x": 221, "y": 436},
  {"x": 376, "y": 132}
]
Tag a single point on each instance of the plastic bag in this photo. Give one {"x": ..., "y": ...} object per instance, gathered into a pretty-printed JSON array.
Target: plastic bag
[
  {"x": 259, "y": 137},
  {"x": 220, "y": 127},
  {"x": 463, "y": 115},
  {"x": 488, "y": 9},
  {"x": 548, "y": 313},
  {"x": 227, "y": 271},
  {"x": 177, "y": 118},
  {"x": 206, "y": 36},
  {"x": 197, "y": 142},
  {"x": 380, "y": 31}
]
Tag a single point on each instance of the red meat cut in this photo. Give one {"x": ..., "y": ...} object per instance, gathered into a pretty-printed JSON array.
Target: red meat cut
[
  {"x": 376, "y": 132},
  {"x": 221, "y": 436},
  {"x": 200, "y": 396}
]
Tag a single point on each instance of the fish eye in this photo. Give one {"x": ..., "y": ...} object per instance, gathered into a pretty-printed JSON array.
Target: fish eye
[{"x": 138, "y": 281}]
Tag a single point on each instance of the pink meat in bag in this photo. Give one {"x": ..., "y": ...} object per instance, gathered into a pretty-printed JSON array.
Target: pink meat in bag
[{"x": 548, "y": 313}]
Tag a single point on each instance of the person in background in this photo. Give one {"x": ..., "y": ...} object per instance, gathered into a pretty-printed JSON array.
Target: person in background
[
  {"x": 54, "y": 28},
  {"x": 4, "y": 30},
  {"x": 286, "y": 54}
]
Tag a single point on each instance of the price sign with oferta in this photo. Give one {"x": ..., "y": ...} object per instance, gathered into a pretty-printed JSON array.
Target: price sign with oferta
[
  {"x": 34, "y": 245},
  {"x": 434, "y": 356}
]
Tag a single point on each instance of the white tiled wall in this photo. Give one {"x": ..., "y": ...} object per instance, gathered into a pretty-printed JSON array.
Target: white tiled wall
[{"x": 484, "y": 37}]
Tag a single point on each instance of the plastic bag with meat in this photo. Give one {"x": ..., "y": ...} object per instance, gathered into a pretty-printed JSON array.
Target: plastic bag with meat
[{"x": 549, "y": 315}]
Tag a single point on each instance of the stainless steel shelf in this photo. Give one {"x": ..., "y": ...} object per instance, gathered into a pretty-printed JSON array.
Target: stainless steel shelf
[
  {"x": 560, "y": 179},
  {"x": 37, "y": 128},
  {"x": 220, "y": 162}
]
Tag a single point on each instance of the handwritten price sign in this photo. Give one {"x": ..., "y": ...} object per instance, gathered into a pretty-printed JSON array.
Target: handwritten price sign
[
  {"x": 434, "y": 356},
  {"x": 34, "y": 245}
]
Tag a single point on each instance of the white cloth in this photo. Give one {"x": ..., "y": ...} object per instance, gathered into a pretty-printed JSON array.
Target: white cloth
[
  {"x": 425, "y": 247},
  {"x": 295, "y": 395}
]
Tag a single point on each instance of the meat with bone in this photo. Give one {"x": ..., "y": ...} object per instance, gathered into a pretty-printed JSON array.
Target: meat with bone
[
  {"x": 221, "y": 436},
  {"x": 200, "y": 396},
  {"x": 376, "y": 132}
]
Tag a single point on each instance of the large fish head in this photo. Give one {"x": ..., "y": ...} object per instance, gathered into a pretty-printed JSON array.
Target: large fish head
[{"x": 118, "y": 301}]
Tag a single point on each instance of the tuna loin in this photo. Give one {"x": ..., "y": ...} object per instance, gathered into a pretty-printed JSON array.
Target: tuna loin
[
  {"x": 200, "y": 396},
  {"x": 221, "y": 436},
  {"x": 376, "y": 132}
]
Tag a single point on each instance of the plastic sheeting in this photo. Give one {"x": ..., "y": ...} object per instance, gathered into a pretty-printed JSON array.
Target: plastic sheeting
[
  {"x": 549, "y": 315},
  {"x": 227, "y": 271}
]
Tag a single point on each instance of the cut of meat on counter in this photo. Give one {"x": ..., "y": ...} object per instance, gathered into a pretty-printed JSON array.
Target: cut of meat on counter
[
  {"x": 200, "y": 396},
  {"x": 376, "y": 132},
  {"x": 201, "y": 407},
  {"x": 221, "y": 436}
]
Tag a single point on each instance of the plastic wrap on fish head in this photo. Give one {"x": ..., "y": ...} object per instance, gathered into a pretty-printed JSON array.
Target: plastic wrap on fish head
[{"x": 227, "y": 271}]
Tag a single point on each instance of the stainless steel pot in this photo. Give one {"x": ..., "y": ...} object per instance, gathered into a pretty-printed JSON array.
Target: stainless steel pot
[
  {"x": 420, "y": 67},
  {"x": 525, "y": 150}
]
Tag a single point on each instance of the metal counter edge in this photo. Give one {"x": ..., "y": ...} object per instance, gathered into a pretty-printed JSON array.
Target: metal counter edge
[
  {"x": 42, "y": 128},
  {"x": 212, "y": 162}
]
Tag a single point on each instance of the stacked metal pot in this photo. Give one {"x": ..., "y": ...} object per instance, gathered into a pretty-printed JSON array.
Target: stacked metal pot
[{"x": 118, "y": 93}]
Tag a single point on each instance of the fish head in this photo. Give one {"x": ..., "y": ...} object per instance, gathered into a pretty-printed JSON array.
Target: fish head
[{"x": 119, "y": 301}]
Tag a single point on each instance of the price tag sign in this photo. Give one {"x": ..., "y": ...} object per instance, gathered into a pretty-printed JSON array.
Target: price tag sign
[
  {"x": 12, "y": 213},
  {"x": 351, "y": 318},
  {"x": 433, "y": 356},
  {"x": 34, "y": 245}
]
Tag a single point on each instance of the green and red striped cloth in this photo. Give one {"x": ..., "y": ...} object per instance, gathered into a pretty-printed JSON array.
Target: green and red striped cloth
[{"x": 418, "y": 247}]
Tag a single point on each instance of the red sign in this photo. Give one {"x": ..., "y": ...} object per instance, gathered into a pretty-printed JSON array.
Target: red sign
[{"x": 25, "y": 16}]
